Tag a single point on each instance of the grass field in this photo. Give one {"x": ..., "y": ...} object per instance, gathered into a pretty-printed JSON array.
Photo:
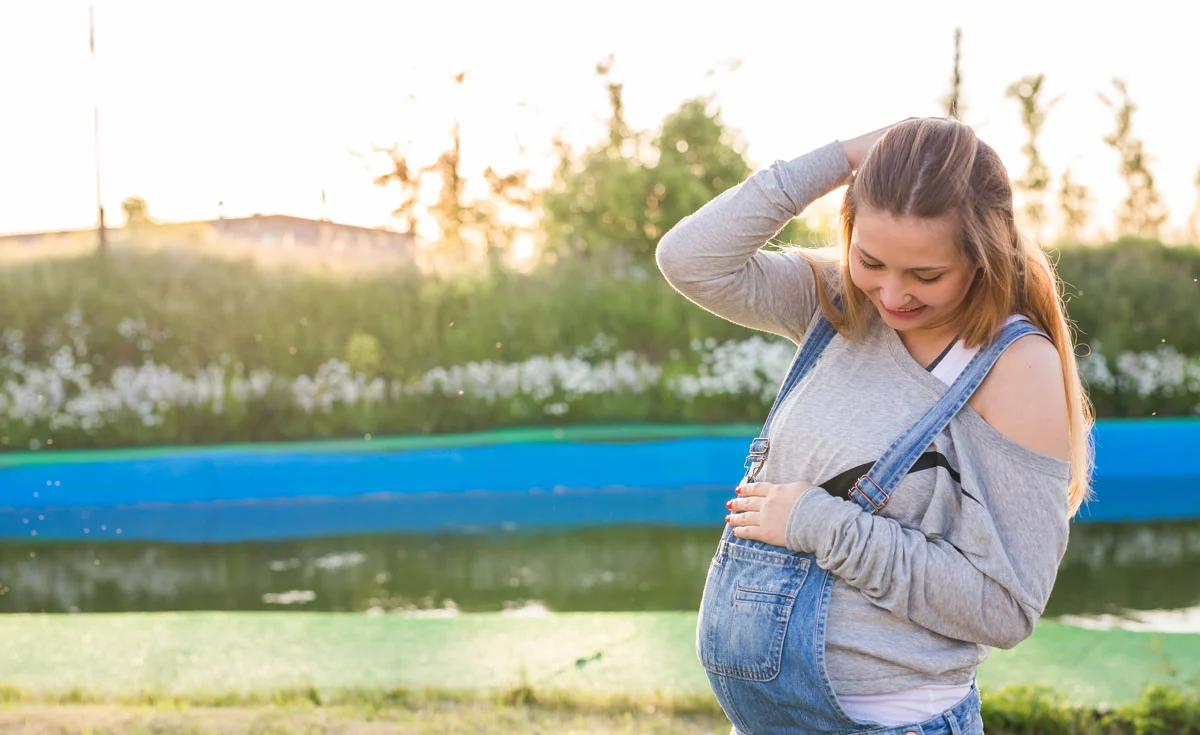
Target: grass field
[
  {"x": 201, "y": 656},
  {"x": 347, "y": 674}
]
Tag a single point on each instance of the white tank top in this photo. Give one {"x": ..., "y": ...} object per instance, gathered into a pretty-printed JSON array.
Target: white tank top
[
  {"x": 918, "y": 704},
  {"x": 903, "y": 707},
  {"x": 956, "y": 358}
]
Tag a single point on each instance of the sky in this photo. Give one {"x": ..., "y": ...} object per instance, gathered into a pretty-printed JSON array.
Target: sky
[{"x": 260, "y": 106}]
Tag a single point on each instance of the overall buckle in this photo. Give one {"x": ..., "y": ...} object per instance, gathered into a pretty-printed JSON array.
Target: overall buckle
[
  {"x": 758, "y": 455},
  {"x": 855, "y": 489}
]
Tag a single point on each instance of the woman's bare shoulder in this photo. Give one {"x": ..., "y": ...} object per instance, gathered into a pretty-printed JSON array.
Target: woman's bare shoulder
[{"x": 1024, "y": 397}]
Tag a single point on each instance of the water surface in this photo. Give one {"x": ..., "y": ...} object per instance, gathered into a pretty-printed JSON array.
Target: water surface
[{"x": 1109, "y": 570}]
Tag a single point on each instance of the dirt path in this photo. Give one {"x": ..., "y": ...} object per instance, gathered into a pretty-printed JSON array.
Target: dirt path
[{"x": 480, "y": 719}]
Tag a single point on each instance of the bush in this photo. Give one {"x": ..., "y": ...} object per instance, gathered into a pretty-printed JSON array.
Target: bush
[
  {"x": 159, "y": 347},
  {"x": 1039, "y": 710},
  {"x": 1134, "y": 295}
]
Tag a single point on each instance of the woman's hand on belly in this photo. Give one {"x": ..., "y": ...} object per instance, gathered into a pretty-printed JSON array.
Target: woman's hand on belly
[{"x": 761, "y": 510}]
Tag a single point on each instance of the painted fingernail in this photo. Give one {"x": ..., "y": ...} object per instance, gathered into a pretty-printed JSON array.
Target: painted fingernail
[
  {"x": 727, "y": 518},
  {"x": 738, "y": 490},
  {"x": 729, "y": 504}
]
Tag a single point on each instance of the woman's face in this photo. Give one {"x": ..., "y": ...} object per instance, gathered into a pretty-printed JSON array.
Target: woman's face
[{"x": 910, "y": 268}]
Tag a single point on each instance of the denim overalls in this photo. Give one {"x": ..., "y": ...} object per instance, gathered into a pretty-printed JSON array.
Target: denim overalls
[{"x": 761, "y": 629}]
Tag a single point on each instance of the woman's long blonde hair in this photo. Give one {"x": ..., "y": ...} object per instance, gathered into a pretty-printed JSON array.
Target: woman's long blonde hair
[{"x": 934, "y": 167}]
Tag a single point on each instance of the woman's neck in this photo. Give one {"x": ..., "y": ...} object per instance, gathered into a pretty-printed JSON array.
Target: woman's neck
[{"x": 926, "y": 344}]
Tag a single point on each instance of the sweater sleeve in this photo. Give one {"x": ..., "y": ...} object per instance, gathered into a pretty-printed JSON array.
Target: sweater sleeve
[
  {"x": 986, "y": 581},
  {"x": 713, "y": 256}
]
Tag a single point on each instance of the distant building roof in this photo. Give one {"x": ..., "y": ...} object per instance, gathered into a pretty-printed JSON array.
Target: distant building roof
[{"x": 251, "y": 225}]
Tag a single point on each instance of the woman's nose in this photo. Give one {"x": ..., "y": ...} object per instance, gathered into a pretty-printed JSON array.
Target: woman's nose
[{"x": 892, "y": 296}]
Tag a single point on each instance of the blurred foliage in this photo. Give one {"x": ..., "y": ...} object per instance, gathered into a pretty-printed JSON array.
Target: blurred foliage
[
  {"x": 1129, "y": 296},
  {"x": 1039, "y": 710},
  {"x": 1143, "y": 212},
  {"x": 1027, "y": 92},
  {"x": 136, "y": 211},
  {"x": 612, "y": 202},
  {"x": 472, "y": 230},
  {"x": 290, "y": 322},
  {"x": 1133, "y": 294},
  {"x": 363, "y": 354},
  {"x": 953, "y": 101},
  {"x": 1194, "y": 219},
  {"x": 1075, "y": 204}
]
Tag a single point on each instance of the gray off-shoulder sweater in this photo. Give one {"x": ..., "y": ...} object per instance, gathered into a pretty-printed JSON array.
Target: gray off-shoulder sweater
[{"x": 964, "y": 556}]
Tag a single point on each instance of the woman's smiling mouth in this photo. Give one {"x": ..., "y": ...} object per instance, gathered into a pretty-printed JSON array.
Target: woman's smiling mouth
[{"x": 903, "y": 313}]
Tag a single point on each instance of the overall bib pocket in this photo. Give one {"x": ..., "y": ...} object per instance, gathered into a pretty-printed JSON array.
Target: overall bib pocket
[{"x": 744, "y": 613}]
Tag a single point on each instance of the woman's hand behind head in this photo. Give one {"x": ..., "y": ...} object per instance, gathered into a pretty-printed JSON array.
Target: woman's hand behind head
[{"x": 857, "y": 148}]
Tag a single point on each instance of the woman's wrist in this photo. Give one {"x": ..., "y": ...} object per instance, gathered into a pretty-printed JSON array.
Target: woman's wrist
[
  {"x": 856, "y": 149},
  {"x": 853, "y": 150}
]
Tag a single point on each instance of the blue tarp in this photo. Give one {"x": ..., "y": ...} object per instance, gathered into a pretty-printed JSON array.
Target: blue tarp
[{"x": 1146, "y": 470}]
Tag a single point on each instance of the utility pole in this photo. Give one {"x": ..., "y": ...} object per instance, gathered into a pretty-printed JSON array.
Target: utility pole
[
  {"x": 954, "y": 107},
  {"x": 103, "y": 238}
]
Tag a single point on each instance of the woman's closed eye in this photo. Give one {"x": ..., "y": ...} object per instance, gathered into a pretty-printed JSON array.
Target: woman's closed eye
[{"x": 878, "y": 266}]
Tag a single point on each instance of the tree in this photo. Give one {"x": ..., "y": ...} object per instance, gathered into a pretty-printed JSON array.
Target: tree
[
  {"x": 618, "y": 129},
  {"x": 409, "y": 180},
  {"x": 450, "y": 210},
  {"x": 1075, "y": 203},
  {"x": 617, "y": 198},
  {"x": 510, "y": 197},
  {"x": 953, "y": 101},
  {"x": 1027, "y": 91},
  {"x": 136, "y": 212},
  {"x": 469, "y": 230},
  {"x": 1194, "y": 220},
  {"x": 696, "y": 161},
  {"x": 476, "y": 230},
  {"x": 1142, "y": 213},
  {"x": 137, "y": 217},
  {"x": 596, "y": 206}
]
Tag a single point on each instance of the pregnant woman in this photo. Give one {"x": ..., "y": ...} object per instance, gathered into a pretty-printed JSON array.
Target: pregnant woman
[{"x": 906, "y": 506}]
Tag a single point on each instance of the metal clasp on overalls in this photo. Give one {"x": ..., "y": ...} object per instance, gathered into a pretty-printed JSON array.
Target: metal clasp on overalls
[
  {"x": 856, "y": 489},
  {"x": 758, "y": 455}
]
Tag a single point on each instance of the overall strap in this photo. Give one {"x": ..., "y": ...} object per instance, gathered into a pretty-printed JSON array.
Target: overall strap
[
  {"x": 814, "y": 344},
  {"x": 873, "y": 490}
]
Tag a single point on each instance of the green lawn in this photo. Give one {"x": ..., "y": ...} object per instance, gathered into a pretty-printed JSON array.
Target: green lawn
[{"x": 202, "y": 654}]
